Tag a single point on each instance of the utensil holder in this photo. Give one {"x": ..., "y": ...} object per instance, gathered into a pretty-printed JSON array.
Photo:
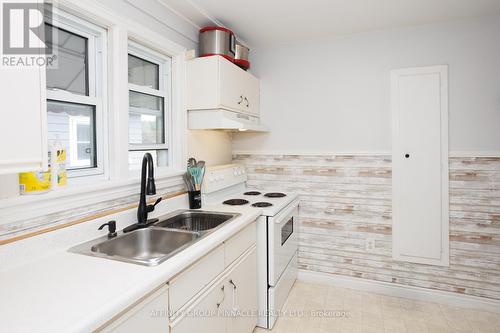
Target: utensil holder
[{"x": 194, "y": 199}]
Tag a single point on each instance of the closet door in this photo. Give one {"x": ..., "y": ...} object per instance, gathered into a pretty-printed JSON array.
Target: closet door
[{"x": 420, "y": 165}]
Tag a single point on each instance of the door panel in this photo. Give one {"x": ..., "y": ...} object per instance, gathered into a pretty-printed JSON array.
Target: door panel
[
  {"x": 420, "y": 165},
  {"x": 242, "y": 286}
]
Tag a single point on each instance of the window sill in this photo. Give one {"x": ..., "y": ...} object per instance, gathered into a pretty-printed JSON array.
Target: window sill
[{"x": 78, "y": 193}]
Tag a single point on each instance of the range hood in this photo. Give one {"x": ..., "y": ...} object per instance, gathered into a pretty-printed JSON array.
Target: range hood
[{"x": 220, "y": 119}]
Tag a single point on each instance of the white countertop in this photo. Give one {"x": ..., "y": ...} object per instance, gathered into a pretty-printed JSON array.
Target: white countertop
[{"x": 68, "y": 292}]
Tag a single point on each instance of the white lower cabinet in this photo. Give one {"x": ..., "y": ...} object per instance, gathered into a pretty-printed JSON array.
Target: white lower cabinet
[
  {"x": 243, "y": 284},
  {"x": 229, "y": 306},
  {"x": 149, "y": 315}
]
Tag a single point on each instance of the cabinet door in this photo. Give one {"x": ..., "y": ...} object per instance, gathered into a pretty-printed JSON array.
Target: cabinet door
[
  {"x": 150, "y": 315},
  {"x": 420, "y": 165},
  {"x": 23, "y": 140},
  {"x": 242, "y": 283},
  {"x": 251, "y": 92},
  {"x": 204, "y": 316},
  {"x": 239, "y": 90}
]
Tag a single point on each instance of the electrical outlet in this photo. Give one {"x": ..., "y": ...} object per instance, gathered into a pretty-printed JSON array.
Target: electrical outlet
[{"x": 370, "y": 244}]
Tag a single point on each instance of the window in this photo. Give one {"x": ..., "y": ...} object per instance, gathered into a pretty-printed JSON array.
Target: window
[
  {"x": 149, "y": 75},
  {"x": 75, "y": 93}
]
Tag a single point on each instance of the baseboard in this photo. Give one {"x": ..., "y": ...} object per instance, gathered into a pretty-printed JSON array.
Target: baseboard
[{"x": 397, "y": 290}]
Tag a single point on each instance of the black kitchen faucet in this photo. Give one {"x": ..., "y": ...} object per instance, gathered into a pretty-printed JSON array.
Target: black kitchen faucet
[{"x": 148, "y": 187}]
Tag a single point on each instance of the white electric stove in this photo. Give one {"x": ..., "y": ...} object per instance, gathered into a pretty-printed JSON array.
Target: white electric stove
[{"x": 276, "y": 233}]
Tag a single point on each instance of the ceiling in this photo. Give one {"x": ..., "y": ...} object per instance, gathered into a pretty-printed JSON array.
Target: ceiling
[{"x": 268, "y": 22}]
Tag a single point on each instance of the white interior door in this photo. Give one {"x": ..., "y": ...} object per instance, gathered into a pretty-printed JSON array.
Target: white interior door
[{"x": 420, "y": 165}]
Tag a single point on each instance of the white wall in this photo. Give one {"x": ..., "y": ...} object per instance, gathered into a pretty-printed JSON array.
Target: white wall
[
  {"x": 333, "y": 96},
  {"x": 214, "y": 147}
]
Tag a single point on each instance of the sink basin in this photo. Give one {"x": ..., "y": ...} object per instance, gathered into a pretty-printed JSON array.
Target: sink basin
[
  {"x": 153, "y": 245},
  {"x": 198, "y": 221},
  {"x": 149, "y": 246}
]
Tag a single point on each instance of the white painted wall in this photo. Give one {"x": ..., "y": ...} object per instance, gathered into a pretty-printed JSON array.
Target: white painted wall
[
  {"x": 334, "y": 96},
  {"x": 214, "y": 147}
]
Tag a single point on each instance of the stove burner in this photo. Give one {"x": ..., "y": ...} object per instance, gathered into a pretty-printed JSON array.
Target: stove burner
[
  {"x": 252, "y": 193},
  {"x": 275, "y": 195},
  {"x": 236, "y": 202},
  {"x": 262, "y": 204}
]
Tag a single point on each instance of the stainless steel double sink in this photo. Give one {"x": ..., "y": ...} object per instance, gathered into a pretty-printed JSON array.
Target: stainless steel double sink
[{"x": 155, "y": 244}]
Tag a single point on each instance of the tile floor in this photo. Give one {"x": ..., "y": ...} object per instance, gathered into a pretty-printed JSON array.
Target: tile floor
[{"x": 369, "y": 312}]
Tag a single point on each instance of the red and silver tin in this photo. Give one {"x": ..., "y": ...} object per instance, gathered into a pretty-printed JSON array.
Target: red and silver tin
[
  {"x": 217, "y": 41},
  {"x": 241, "y": 58}
]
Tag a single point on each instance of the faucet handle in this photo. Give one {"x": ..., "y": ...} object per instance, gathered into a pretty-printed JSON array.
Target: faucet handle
[
  {"x": 111, "y": 228},
  {"x": 150, "y": 208}
]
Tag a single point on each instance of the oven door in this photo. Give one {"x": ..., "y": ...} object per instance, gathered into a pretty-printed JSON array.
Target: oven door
[{"x": 283, "y": 240}]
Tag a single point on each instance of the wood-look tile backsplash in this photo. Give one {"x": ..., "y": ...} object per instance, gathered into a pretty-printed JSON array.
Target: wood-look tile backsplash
[{"x": 346, "y": 199}]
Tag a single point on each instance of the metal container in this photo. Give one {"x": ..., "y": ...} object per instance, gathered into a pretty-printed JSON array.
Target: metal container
[
  {"x": 217, "y": 41},
  {"x": 241, "y": 58}
]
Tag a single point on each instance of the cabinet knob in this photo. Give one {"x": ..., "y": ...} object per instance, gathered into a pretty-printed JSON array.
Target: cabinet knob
[{"x": 407, "y": 155}]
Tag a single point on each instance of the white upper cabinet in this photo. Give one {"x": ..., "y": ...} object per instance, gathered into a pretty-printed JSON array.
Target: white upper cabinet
[
  {"x": 216, "y": 83},
  {"x": 23, "y": 128}
]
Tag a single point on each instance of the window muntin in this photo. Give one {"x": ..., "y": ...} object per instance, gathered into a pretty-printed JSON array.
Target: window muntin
[
  {"x": 149, "y": 105},
  {"x": 75, "y": 93}
]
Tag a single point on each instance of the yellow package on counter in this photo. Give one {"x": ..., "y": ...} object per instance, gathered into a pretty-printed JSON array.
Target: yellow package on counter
[
  {"x": 62, "y": 174},
  {"x": 34, "y": 182}
]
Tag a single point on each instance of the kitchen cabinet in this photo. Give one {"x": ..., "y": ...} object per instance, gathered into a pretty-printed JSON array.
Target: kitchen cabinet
[
  {"x": 216, "y": 83},
  {"x": 188, "y": 283},
  {"x": 23, "y": 129},
  {"x": 150, "y": 315},
  {"x": 420, "y": 165},
  {"x": 224, "y": 306},
  {"x": 243, "y": 289}
]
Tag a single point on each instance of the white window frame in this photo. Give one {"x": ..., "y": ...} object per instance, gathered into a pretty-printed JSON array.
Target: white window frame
[
  {"x": 97, "y": 82},
  {"x": 164, "y": 91}
]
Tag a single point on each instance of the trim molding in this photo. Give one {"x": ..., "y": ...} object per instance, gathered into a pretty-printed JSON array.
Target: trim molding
[
  {"x": 398, "y": 290},
  {"x": 452, "y": 153},
  {"x": 284, "y": 152}
]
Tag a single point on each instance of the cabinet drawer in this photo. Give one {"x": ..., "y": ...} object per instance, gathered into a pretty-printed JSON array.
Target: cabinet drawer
[
  {"x": 210, "y": 302},
  {"x": 239, "y": 243},
  {"x": 188, "y": 283}
]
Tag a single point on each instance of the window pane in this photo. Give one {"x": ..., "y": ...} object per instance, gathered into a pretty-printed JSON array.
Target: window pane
[
  {"x": 71, "y": 73},
  {"x": 73, "y": 126},
  {"x": 160, "y": 158},
  {"x": 146, "y": 119},
  {"x": 142, "y": 72}
]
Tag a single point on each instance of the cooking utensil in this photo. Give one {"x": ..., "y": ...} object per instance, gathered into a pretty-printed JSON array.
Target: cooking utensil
[
  {"x": 189, "y": 181},
  {"x": 191, "y": 162}
]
